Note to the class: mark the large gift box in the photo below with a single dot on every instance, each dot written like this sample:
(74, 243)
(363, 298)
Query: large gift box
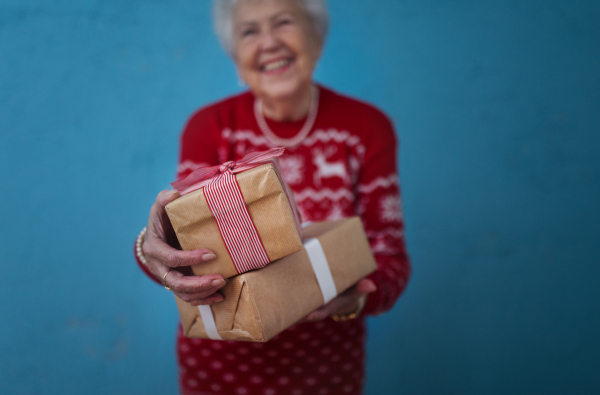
(243, 211)
(260, 304)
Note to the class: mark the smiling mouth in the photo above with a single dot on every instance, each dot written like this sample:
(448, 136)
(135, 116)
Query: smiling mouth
(276, 66)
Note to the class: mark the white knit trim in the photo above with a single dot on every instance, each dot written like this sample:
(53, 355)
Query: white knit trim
(325, 193)
(388, 232)
(380, 246)
(379, 182)
(246, 135)
(340, 137)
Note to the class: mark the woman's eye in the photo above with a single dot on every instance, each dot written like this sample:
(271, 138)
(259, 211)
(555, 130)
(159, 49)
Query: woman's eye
(248, 32)
(284, 22)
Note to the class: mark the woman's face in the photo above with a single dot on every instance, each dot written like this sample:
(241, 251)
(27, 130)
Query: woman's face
(275, 47)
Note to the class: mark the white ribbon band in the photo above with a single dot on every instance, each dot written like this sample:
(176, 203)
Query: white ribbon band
(321, 269)
(322, 273)
(208, 319)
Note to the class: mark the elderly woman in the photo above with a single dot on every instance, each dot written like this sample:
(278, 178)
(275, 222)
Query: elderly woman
(342, 164)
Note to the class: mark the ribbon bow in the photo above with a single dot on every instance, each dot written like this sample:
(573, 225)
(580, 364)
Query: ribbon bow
(203, 175)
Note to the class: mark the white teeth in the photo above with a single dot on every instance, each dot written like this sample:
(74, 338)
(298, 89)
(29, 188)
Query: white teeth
(275, 65)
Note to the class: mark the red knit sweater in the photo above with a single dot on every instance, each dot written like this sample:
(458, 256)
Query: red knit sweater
(346, 166)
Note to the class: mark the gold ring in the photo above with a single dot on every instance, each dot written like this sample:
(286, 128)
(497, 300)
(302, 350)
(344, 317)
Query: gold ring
(164, 280)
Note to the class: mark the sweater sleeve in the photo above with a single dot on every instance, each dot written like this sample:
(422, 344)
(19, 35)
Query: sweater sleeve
(199, 145)
(380, 207)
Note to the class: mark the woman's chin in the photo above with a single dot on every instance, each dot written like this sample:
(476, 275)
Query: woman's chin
(282, 90)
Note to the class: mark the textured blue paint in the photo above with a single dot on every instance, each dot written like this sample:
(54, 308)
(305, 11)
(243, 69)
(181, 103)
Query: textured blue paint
(497, 104)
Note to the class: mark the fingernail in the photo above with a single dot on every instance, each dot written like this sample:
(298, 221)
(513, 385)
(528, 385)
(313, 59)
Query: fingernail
(311, 316)
(208, 257)
(220, 300)
(217, 283)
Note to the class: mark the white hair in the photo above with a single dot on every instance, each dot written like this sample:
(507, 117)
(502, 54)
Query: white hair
(316, 10)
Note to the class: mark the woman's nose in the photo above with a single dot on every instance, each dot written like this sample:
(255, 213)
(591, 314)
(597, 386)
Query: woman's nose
(269, 41)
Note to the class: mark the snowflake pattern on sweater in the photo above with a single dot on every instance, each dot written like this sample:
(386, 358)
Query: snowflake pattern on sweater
(346, 166)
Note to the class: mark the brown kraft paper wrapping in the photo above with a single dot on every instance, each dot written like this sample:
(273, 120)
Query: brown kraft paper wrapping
(262, 303)
(269, 208)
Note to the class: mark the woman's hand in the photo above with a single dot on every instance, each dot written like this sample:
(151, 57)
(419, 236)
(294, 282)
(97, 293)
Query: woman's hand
(162, 257)
(344, 303)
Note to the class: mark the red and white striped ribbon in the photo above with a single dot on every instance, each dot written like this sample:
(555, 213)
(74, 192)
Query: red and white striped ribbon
(226, 203)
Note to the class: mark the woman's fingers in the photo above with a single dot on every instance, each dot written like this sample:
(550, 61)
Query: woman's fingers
(159, 250)
(214, 298)
(166, 196)
(157, 246)
(167, 262)
(344, 303)
(195, 290)
(365, 286)
(199, 287)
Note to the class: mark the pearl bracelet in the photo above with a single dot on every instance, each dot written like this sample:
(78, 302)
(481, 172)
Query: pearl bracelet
(138, 246)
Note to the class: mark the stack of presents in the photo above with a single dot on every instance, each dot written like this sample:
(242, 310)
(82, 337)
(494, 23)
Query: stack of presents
(278, 271)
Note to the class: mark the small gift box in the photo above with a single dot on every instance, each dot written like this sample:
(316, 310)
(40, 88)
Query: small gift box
(243, 211)
(260, 304)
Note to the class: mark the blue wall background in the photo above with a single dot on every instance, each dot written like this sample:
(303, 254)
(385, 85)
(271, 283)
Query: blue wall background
(497, 105)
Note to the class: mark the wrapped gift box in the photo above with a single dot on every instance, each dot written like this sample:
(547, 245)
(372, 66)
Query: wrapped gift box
(262, 303)
(271, 210)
